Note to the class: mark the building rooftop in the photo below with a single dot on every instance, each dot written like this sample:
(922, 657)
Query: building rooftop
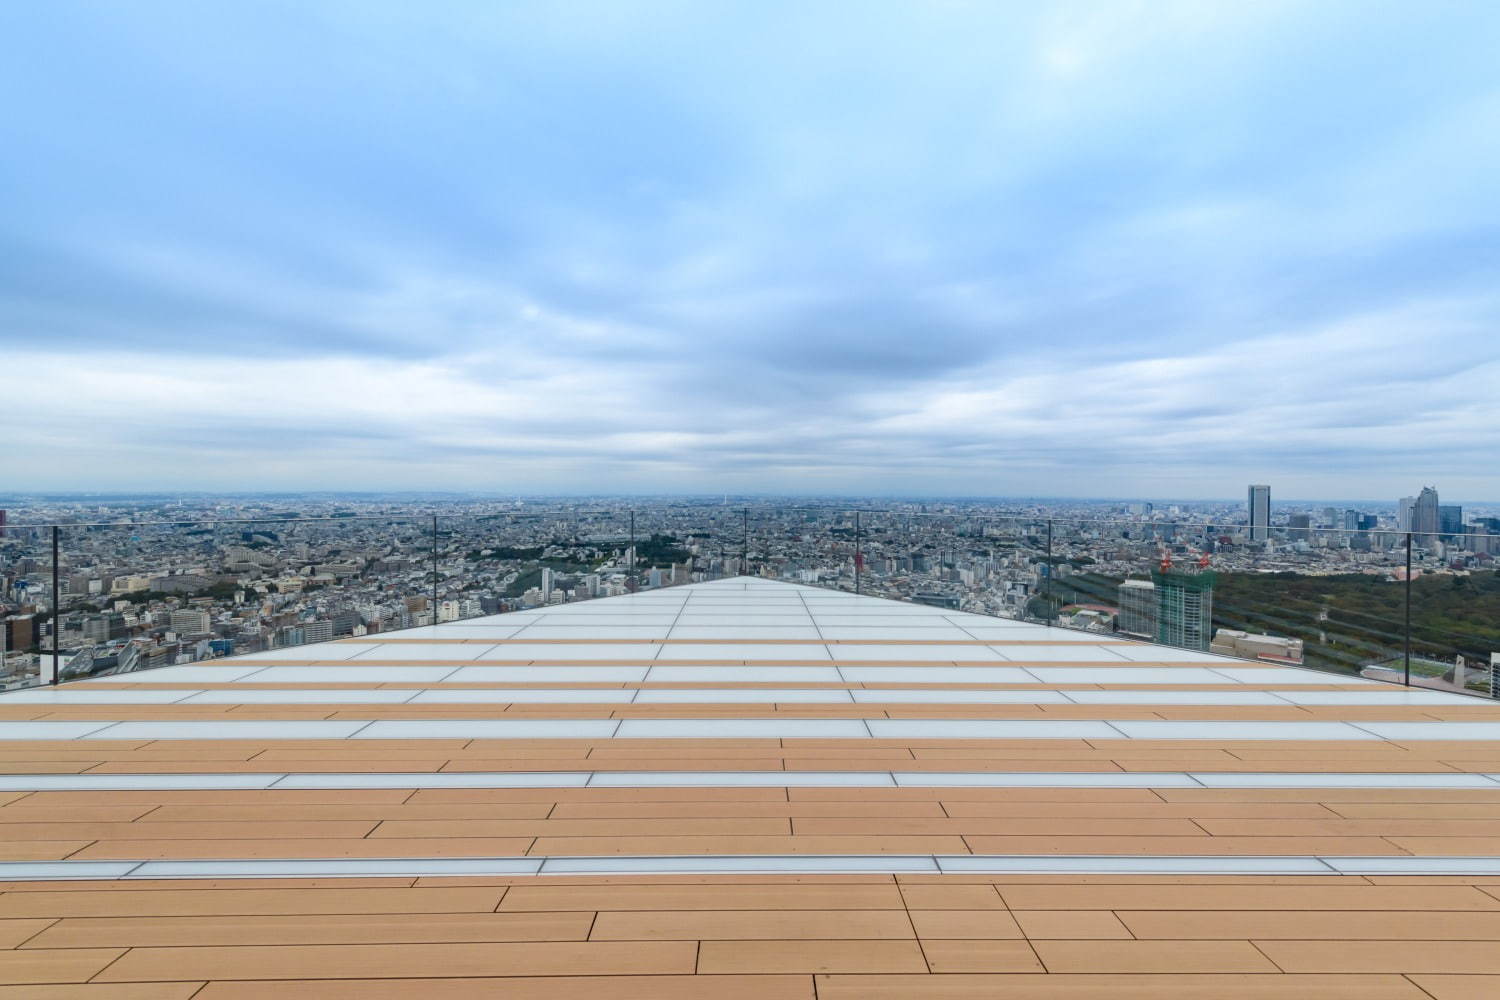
(747, 789)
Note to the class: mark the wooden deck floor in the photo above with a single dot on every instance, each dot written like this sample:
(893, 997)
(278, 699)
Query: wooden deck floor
(1184, 757)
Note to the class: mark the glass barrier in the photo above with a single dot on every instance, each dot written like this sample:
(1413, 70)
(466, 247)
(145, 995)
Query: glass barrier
(137, 596)
(1455, 614)
(1326, 599)
(799, 545)
(530, 556)
(132, 596)
(27, 608)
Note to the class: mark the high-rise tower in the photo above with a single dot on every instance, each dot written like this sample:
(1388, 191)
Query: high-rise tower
(1259, 502)
(1425, 519)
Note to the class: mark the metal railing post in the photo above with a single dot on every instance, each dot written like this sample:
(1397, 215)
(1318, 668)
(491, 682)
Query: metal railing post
(1047, 578)
(434, 569)
(745, 544)
(630, 577)
(56, 604)
(859, 552)
(1407, 657)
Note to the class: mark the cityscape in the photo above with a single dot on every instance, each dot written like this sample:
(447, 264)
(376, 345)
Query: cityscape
(149, 582)
(753, 500)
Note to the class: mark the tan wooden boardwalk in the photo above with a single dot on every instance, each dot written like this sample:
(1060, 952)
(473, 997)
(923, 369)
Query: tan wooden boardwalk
(746, 789)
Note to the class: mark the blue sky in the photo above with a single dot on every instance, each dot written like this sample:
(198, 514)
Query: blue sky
(1124, 249)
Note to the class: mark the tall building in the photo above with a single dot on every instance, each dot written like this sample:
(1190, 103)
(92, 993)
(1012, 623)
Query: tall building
(546, 585)
(1259, 502)
(1424, 512)
(1184, 608)
(1451, 519)
(1404, 508)
(1137, 601)
(1300, 526)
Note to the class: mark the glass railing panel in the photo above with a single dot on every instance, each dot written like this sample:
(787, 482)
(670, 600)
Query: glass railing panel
(1455, 613)
(1100, 576)
(146, 595)
(1013, 564)
(812, 546)
(27, 619)
(530, 556)
(1326, 599)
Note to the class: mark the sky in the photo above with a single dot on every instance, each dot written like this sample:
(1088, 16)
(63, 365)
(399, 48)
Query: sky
(1154, 249)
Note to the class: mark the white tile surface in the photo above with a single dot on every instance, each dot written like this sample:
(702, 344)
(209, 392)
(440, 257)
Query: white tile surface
(420, 652)
(456, 631)
(553, 675)
(1170, 654)
(983, 729)
(64, 870)
(937, 675)
(1141, 729)
(707, 696)
(744, 632)
(845, 619)
(850, 653)
(119, 782)
(699, 652)
(740, 675)
(586, 632)
(488, 729)
(1008, 633)
(719, 620)
(44, 730)
(896, 632)
(343, 675)
(1064, 653)
(1287, 675)
(526, 652)
(1124, 674)
(181, 675)
(1397, 696)
(741, 729)
(311, 651)
(634, 620)
(70, 695)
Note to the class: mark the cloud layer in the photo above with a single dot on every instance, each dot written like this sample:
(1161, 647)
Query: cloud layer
(1101, 248)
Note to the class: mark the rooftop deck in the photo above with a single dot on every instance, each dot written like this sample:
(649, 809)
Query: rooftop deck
(747, 789)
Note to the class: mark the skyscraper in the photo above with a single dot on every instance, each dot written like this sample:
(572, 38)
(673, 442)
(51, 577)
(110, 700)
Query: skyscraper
(1451, 519)
(1259, 502)
(1184, 608)
(1137, 608)
(1424, 512)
